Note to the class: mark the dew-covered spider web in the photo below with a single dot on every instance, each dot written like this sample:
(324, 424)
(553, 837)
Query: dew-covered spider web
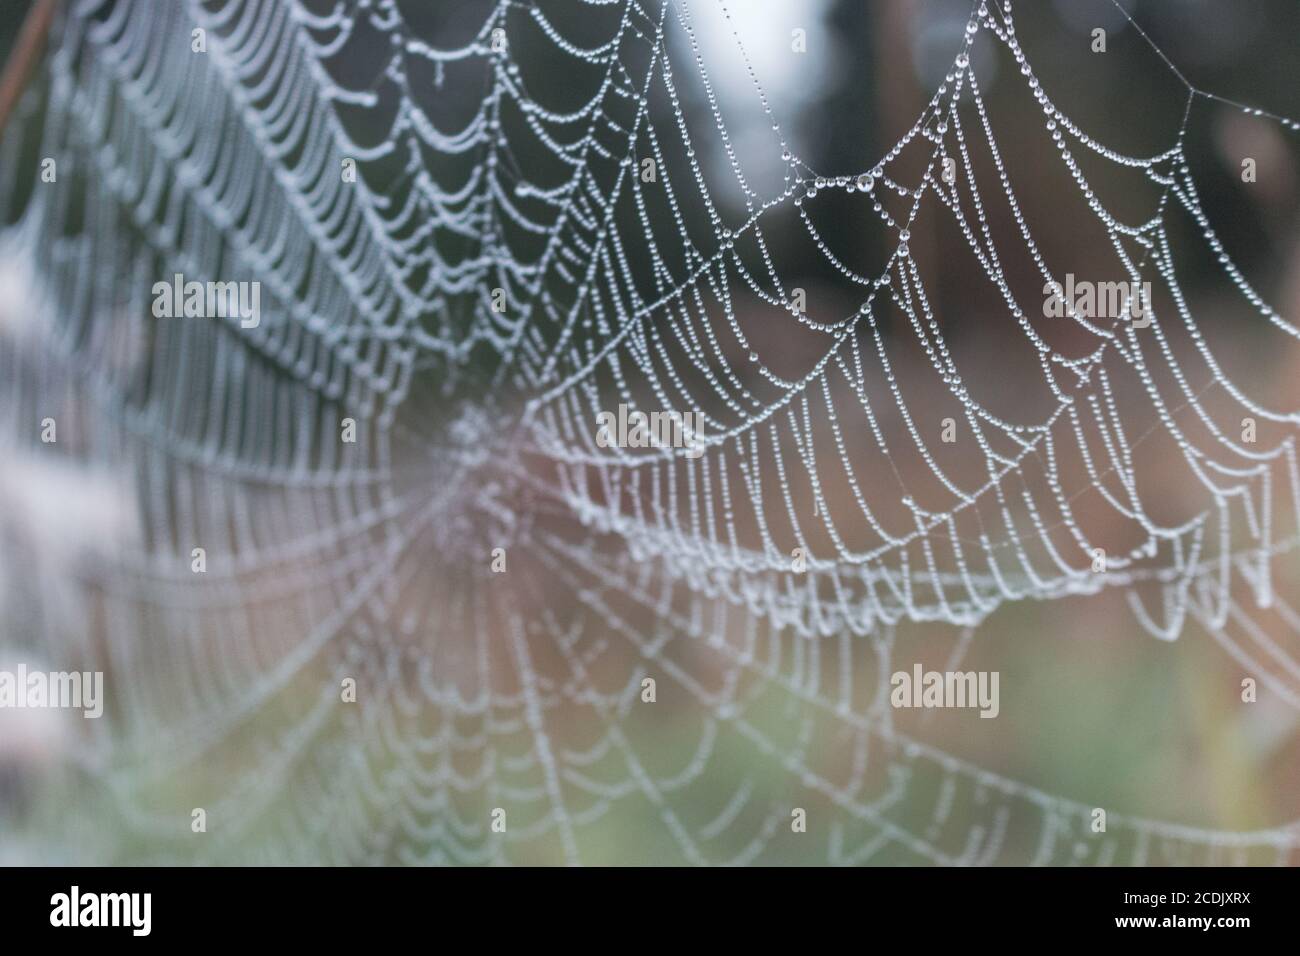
(551, 217)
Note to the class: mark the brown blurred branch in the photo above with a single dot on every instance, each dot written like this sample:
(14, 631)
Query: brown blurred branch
(31, 41)
(900, 101)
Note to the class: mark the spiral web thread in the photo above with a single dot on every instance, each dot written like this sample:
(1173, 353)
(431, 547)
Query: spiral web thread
(380, 301)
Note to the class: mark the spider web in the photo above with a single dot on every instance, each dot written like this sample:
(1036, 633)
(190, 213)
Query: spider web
(499, 272)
